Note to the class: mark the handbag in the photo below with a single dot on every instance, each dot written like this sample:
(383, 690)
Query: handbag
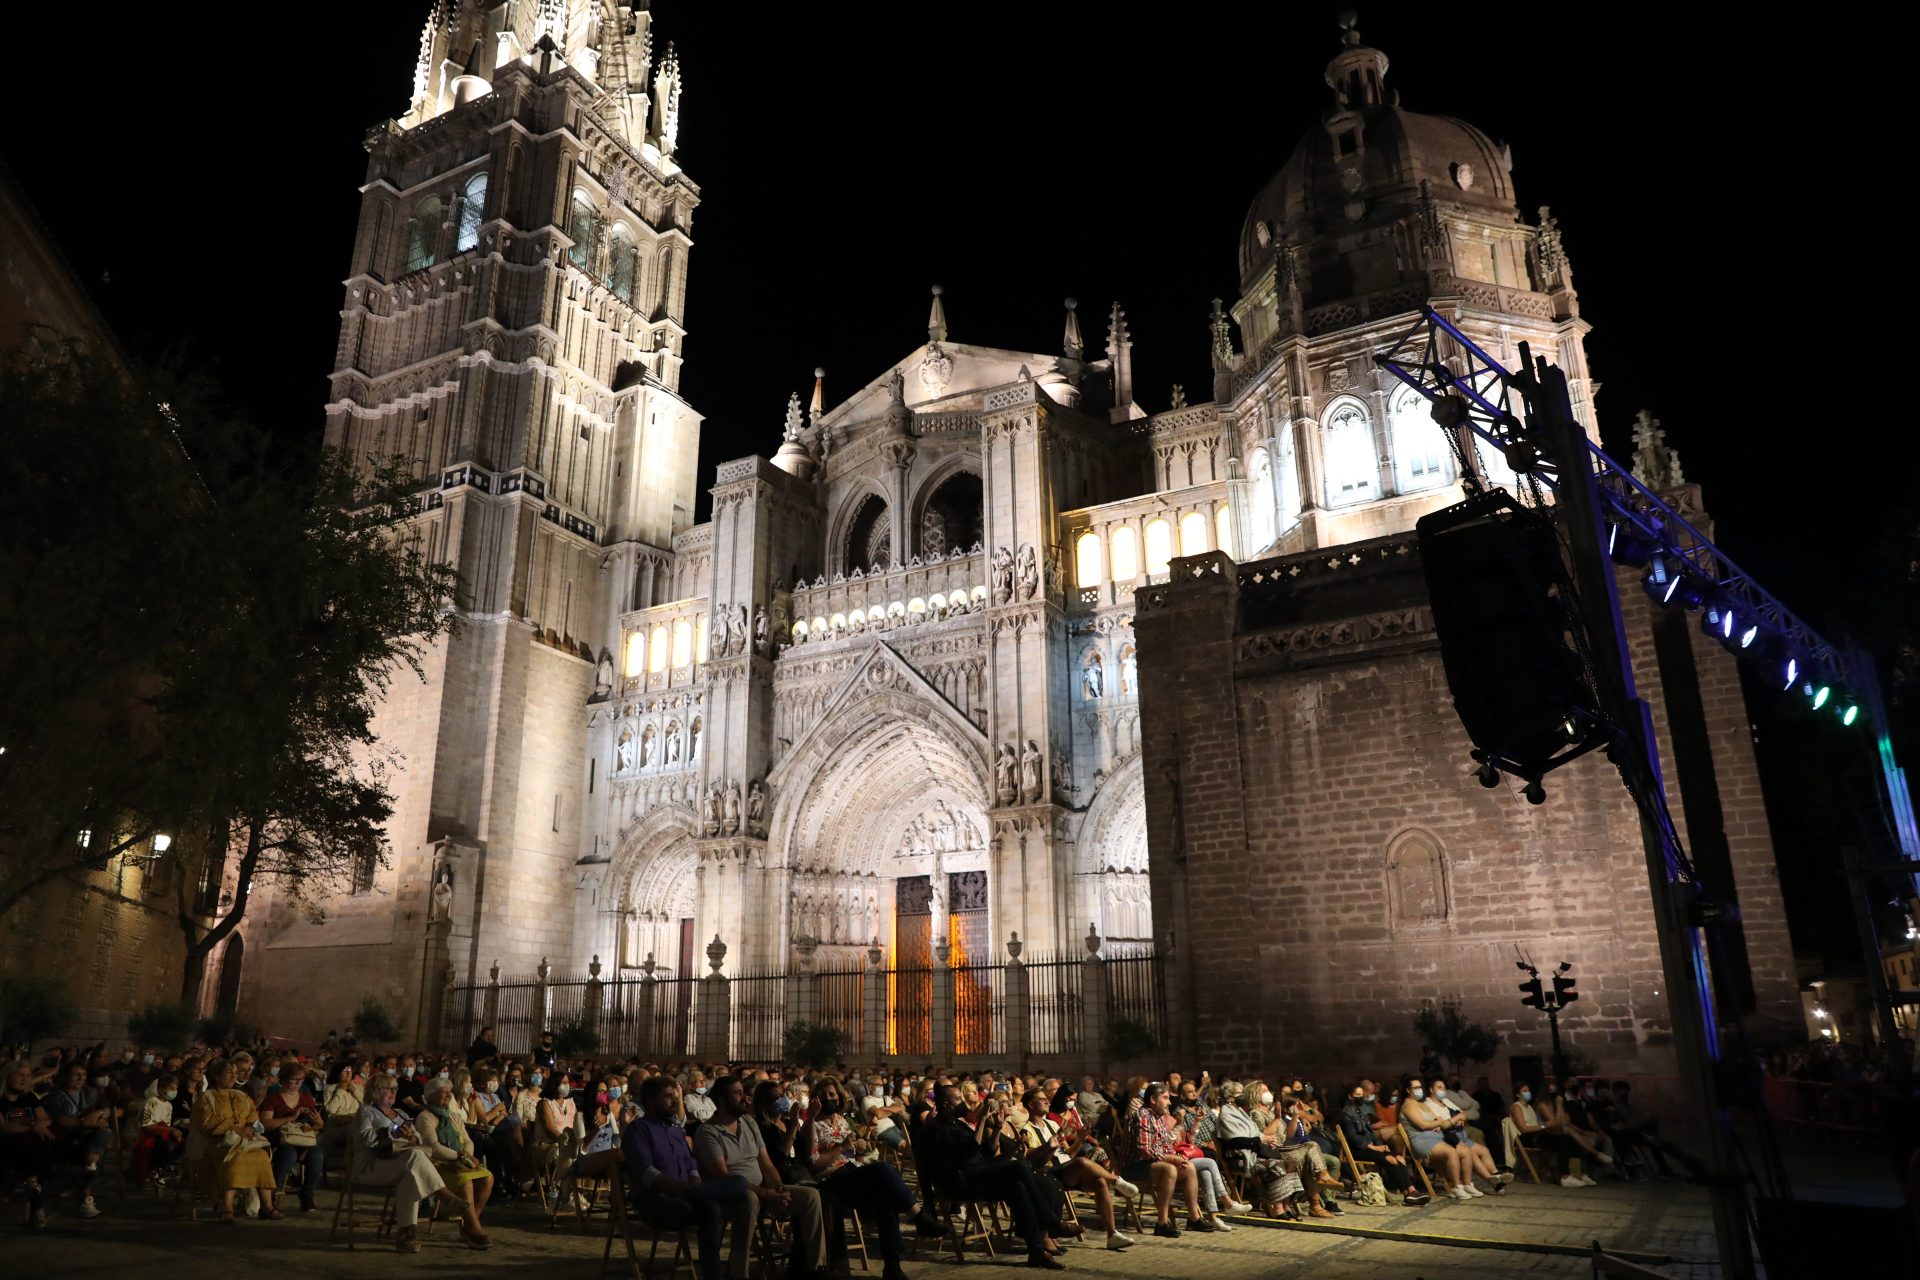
(1188, 1150)
(296, 1134)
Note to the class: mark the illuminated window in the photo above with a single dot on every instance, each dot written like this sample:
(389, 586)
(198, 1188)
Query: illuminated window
(636, 652)
(423, 234)
(682, 643)
(583, 224)
(1223, 524)
(1261, 498)
(1086, 559)
(1159, 546)
(1421, 457)
(1193, 533)
(657, 643)
(1126, 554)
(1286, 481)
(623, 260)
(473, 211)
(1346, 446)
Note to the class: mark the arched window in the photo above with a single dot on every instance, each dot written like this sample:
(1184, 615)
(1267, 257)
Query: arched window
(1159, 546)
(622, 261)
(1193, 533)
(636, 652)
(950, 515)
(1262, 499)
(1126, 554)
(1086, 559)
(869, 544)
(657, 644)
(700, 640)
(1223, 528)
(1346, 446)
(423, 234)
(473, 211)
(583, 224)
(1421, 457)
(682, 643)
(1286, 481)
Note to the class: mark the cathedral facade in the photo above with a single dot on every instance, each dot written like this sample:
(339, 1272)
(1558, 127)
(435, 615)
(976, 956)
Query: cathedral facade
(889, 693)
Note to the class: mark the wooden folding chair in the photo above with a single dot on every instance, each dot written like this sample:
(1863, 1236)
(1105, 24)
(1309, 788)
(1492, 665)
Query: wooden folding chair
(345, 1212)
(939, 1201)
(620, 1226)
(1511, 1136)
(772, 1244)
(1413, 1158)
(1350, 1161)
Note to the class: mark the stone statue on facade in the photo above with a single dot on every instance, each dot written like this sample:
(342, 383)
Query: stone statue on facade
(1002, 576)
(441, 907)
(1005, 766)
(756, 808)
(1029, 573)
(646, 749)
(710, 811)
(673, 747)
(945, 838)
(722, 625)
(1094, 678)
(623, 754)
(603, 676)
(730, 813)
(762, 636)
(1129, 673)
(742, 629)
(1030, 773)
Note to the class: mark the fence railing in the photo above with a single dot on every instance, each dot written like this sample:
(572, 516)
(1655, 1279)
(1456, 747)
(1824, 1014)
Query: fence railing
(1059, 1008)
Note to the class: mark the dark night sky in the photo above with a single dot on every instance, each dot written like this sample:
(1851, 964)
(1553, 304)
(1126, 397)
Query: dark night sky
(200, 170)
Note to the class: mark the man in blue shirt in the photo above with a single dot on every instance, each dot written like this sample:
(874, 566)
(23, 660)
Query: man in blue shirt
(668, 1188)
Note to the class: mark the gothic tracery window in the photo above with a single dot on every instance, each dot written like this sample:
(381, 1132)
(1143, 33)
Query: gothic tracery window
(869, 543)
(423, 234)
(622, 261)
(473, 211)
(1347, 449)
(583, 225)
(1126, 554)
(1421, 456)
(1159, 546)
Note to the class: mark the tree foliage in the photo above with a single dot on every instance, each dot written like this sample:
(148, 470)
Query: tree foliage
(166, 1025)
(575, 1038)
(200, 646)
(372, 1024)
(1449, 1034)
(32, 1007)
(1129, 1040)
(812, 1044)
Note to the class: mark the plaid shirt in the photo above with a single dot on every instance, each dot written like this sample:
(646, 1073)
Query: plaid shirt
(1158, 1135)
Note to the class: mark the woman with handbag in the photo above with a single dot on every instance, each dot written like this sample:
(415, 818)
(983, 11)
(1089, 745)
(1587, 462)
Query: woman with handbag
(292, 1119)
(235, 1155)
(388, 1152)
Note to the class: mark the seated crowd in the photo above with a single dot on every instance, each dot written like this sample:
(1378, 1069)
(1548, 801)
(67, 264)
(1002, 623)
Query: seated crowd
(701, 1148)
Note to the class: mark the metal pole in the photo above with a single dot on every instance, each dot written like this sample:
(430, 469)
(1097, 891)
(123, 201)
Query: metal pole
(1559, 1054)
(1689, 995)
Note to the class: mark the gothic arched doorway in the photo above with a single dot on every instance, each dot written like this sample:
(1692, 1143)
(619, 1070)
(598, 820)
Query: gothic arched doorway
(1111, 879)
(231, 957)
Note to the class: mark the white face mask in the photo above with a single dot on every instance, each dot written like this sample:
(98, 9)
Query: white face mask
(1266, 1098)
(564, 1090)
(1419, 1094)
(493, 1086)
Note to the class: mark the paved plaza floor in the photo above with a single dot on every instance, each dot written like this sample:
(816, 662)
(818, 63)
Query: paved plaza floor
(1544, 1230)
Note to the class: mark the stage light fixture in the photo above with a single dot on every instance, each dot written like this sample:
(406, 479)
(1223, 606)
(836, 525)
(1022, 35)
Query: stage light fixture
(1628, 546)
(1748, 636)
(1793, 673)
(1849, 712)
(1820, 695)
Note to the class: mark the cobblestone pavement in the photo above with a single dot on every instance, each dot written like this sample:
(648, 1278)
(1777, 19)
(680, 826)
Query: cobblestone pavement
(141, 1236)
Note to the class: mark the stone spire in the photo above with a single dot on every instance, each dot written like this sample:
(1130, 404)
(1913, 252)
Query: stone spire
(1120, 354)
(666, 102)
(818, 406)
(937, 318)
(792, 456)
(1654, 462)
(1072, 345)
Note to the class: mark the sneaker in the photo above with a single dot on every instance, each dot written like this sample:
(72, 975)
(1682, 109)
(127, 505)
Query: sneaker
(1235, 1206)
(1603, 1157)
(1472, 1190)
(1461, 1193)
(1117, 1242)
(88, 1209)
(1200, 1224)
(1502, 1179)
(1585, 1181)
(1414, 1199)
(1219, 1225)
(1125, 1190)
(1166, 1230)
(1568, 1180)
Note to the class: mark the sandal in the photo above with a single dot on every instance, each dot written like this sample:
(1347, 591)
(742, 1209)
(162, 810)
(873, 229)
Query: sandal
(225, 1219)
(272, 1215)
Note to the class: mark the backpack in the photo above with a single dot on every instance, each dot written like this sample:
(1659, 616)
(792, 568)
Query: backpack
(1371, 1191)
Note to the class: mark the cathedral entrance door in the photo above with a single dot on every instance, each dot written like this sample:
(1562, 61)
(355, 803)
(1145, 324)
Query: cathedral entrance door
(910, 980)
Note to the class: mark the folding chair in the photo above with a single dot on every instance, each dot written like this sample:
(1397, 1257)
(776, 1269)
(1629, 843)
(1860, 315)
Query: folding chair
(772, 1244)
(1413, 1158)
(1510, 1135)
(346, 1217)
(1349, 1161)
(620, 1225)
(938, 1199)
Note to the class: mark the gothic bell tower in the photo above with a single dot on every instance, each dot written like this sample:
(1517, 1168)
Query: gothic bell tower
(512, 326)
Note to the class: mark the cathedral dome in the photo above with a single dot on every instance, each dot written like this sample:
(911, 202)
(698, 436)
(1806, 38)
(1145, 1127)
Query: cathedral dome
(1368, 162)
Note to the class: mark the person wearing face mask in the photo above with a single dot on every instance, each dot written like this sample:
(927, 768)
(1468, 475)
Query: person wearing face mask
(83, 1124)
(1356, 1126)
(1554, 1149)
(388, 1152)
(155, 1140)
(557, 1117)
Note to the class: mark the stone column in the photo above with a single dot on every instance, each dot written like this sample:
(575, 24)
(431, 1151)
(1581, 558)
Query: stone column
(1016, 1002)
(715, 1010)
(592, 998)
(649, 1010)
(1093, 1004)
(803, 984)
(490, 1009)
(541, 996)
(941, 1043)
(875, 1022)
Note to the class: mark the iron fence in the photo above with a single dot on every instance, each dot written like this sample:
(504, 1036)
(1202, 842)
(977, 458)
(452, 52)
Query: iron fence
(759, 1016)
(910, 1012)
(843, 1005)
(1135, 991)
(1056, 1020)
(649, 1019)
(979, 1021)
